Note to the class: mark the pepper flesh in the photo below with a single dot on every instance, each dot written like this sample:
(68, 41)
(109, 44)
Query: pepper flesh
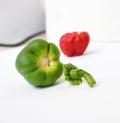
(74, 75)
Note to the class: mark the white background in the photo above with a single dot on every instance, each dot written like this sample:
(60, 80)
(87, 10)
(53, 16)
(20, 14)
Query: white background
(100, 18)
(22, 103)
(64, 103)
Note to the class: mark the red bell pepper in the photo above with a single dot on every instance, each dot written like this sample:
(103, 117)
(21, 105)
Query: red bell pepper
(74, 44)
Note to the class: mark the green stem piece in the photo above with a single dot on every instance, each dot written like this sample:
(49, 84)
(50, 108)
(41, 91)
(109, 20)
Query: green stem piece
(74, 75)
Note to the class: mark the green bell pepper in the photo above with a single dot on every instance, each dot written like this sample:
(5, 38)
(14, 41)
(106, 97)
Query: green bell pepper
(39, 63)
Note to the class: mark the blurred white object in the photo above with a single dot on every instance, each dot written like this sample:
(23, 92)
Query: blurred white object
(100, 18)
(20, 19)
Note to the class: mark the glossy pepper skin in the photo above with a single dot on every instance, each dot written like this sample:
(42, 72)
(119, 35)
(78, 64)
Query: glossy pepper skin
(74, 44)
(39, 63)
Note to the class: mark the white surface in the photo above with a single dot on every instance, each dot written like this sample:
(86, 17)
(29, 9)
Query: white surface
(64, 103)
(100, 18)
(20, 19)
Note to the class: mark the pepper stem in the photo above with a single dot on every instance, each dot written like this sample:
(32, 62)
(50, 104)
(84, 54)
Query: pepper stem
(74, 75)
(88, 77)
